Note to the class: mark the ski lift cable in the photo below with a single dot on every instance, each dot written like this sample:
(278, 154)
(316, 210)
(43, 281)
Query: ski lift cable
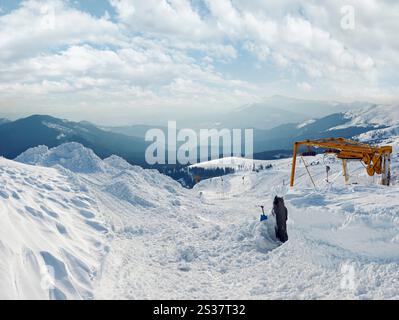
(307, 169)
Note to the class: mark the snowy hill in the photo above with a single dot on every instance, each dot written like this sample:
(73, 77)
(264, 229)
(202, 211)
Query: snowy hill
(52, 235)
(386, 117)
(119, 231)
(370, 123)
(57, 223)
(22, 134)
(230, 162)
(71, 156)
(383, 115)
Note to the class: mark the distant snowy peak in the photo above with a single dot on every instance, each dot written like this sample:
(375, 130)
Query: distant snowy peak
(58, 127)
(72, 156)
(306, 123)
(375, 116)
(384, 119)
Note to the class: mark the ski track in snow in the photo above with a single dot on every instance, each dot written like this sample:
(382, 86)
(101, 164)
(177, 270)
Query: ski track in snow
(109, 230)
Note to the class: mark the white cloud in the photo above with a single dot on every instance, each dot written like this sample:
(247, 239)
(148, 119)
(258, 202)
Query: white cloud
(132, 78)
(304, 86)
(167, 54)
(39, 26)
(176, 18)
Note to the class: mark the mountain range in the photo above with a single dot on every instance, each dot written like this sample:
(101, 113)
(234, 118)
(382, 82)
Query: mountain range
(266, 113)
(271, 112)
(22, 134)
(129, 143)
(278, 110)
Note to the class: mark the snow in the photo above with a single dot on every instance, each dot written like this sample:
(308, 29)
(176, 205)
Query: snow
(73, 156)
(305, 123)
(236, 163)
(48, 244)
(103, 229)
(117, 162)
(373, 116)
(63, 130)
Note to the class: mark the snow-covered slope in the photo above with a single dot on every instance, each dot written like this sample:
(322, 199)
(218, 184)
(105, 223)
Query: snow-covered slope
(123, 232)
(334, 231)
(383, 115)
(236, 163)
(52, 236)
(57, 223)
(384, 119)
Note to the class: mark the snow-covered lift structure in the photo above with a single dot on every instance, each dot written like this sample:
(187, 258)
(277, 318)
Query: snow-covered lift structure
(376, 159)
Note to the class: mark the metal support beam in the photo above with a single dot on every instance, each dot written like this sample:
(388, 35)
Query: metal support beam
(384, 172)
(389, 170)
(375, 158)
(293, 169)
(345, 170)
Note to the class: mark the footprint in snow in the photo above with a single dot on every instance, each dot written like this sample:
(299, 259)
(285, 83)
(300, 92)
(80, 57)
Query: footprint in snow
(57, 295)
(58, 202)
(87, 214)
(80, 204)
(58, 271)
(46, 186)
(97, 226)
(56, 266)
(29, 181)
(61, 229)
(35, 213)
(49, 212)
(4, 194)
(65, 189)
(15, 195)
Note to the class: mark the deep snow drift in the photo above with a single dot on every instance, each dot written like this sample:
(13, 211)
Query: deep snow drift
(52, 237)
(78, 227)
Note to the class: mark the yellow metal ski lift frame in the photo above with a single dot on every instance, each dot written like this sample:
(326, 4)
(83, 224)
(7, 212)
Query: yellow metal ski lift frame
(377, 159)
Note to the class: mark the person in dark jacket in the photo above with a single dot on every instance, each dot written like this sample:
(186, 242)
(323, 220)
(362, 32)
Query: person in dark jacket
(281, 213)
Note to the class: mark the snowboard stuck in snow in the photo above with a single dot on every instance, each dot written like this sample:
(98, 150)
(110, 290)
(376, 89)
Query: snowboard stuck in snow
(281, 213)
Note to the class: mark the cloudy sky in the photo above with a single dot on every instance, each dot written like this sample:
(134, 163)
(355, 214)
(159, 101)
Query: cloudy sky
(123, 61)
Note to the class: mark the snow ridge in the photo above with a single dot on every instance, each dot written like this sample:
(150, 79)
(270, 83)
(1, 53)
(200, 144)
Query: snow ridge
(374, 116)
(72, 156)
